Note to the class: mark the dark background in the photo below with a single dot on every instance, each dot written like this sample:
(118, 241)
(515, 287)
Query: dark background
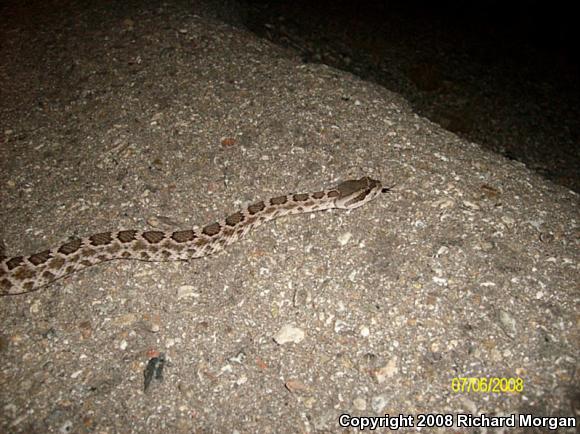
(501, 74)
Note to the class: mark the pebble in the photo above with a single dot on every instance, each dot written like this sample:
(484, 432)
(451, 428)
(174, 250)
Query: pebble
(302, 297)
(471, 205)
(378, 403)
(360, 404)
(509, 221)
(546, 237)
(340, 325)
(289, 333)
(154, 327)
(444, 203)
(66, 427)
(352, 275)
(508, 323)
(486, 246)
(35, 307)
(344, 238)
(387, 371)
(185, 291)
(295, 386)
(125, 320)
(440, 281)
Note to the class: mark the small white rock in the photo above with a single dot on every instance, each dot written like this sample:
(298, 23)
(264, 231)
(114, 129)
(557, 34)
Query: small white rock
(508, 220)
(378, 403)
(360, 404)
(289, 333)
(340, 325)
(508, 323)
(387, 371)
(185, 291)
(35, 307)
(344, 238)
(419, 224)
(440, 281)
(365, 332)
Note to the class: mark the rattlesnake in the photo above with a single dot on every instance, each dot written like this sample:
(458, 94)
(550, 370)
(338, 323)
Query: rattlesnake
(22, 274)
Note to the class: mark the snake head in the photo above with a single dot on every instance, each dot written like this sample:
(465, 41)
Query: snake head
(357, 192)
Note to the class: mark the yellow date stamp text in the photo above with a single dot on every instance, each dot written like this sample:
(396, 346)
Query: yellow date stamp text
(487, 385)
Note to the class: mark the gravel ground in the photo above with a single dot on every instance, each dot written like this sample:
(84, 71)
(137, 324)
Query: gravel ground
(152, 116)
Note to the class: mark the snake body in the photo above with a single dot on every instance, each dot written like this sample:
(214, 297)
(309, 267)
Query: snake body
(21, 274)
